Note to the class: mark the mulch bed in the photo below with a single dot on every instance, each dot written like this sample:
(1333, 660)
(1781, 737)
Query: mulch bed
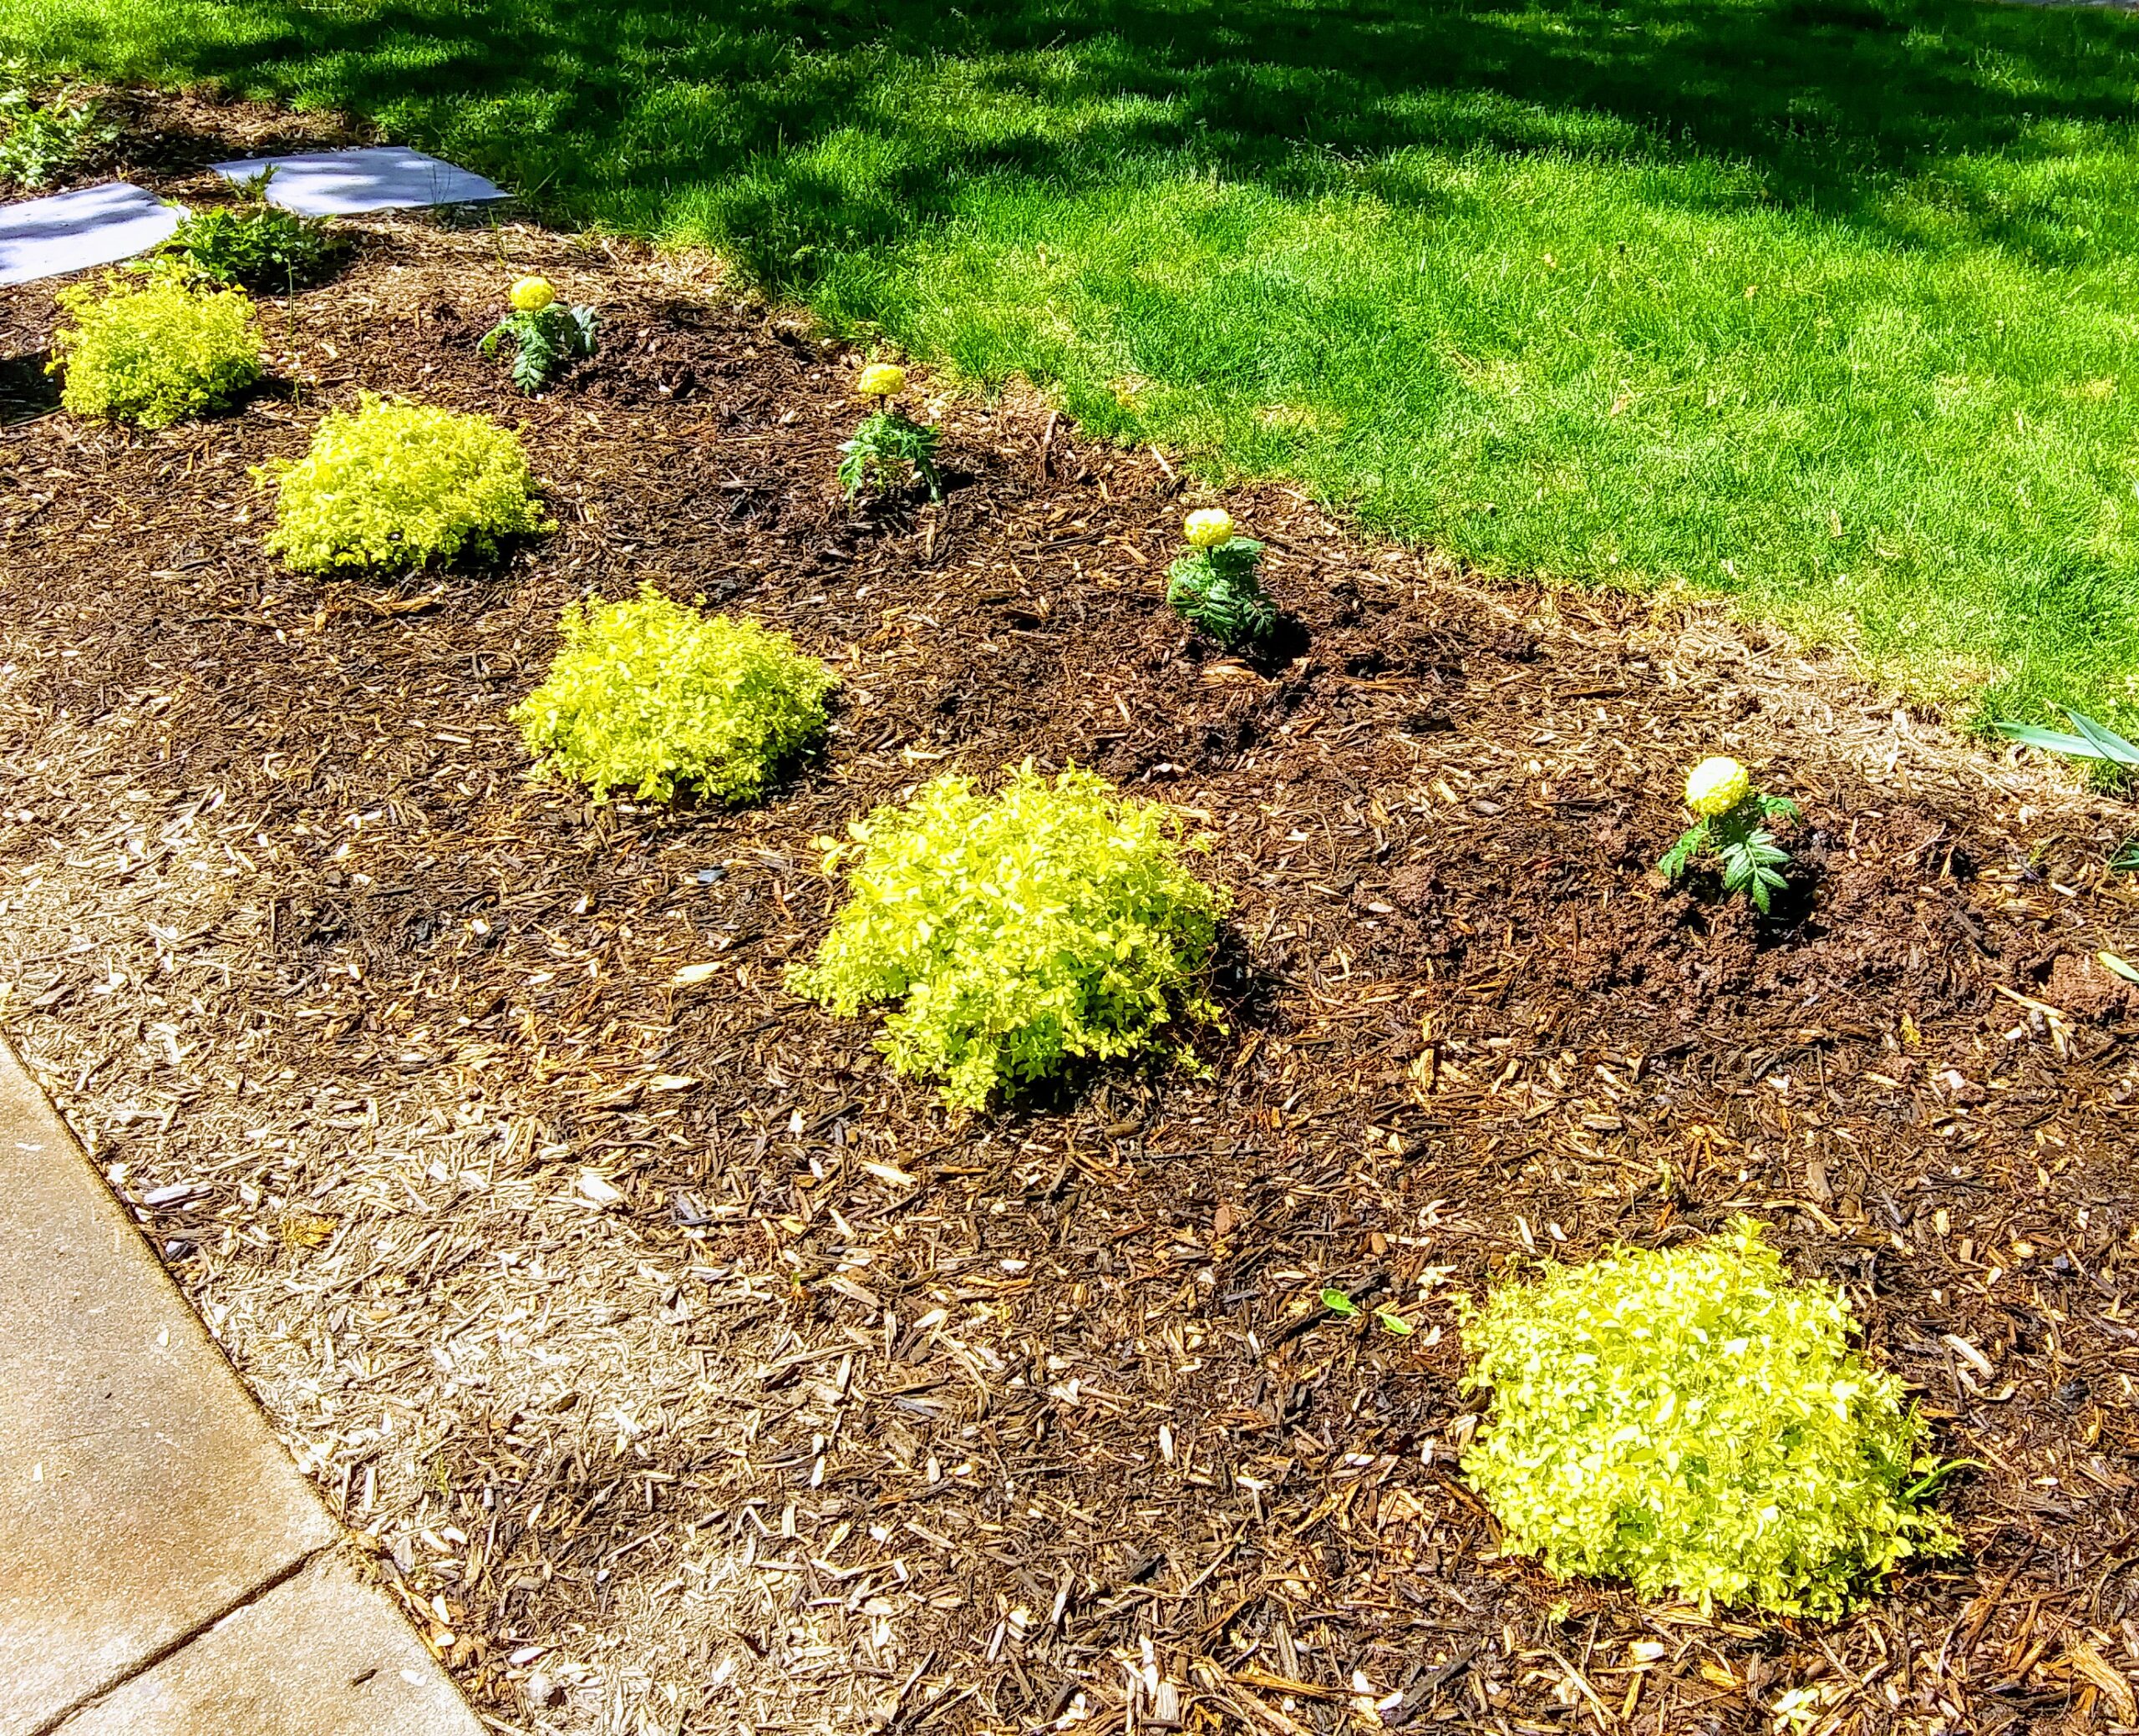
(689, 1372)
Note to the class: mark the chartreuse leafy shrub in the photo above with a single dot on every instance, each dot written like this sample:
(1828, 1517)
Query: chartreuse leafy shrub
(1692, 1420)
(152, 349)
(654, 698)
(394, 485)
(1055, 919)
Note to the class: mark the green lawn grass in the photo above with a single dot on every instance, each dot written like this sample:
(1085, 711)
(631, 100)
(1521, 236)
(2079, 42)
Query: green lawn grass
(1829, 305)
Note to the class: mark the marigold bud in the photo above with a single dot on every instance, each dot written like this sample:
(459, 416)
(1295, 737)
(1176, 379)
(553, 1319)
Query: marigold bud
(882, 379)
(1208, 528)
(531, 295)
(1716, 786)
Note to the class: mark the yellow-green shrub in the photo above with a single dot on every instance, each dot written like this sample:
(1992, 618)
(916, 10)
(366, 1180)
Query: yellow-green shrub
(1692, 1420)
(395, 484)
(153, 349)
(651, 696)
(1053, 920)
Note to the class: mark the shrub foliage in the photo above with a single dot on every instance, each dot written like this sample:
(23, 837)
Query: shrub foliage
(1692, 1419)
(1053, 920)
(654, 697)
(155, 348)
(40, 142)
(398, 485)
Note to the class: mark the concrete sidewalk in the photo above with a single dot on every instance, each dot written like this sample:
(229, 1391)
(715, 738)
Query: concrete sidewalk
(164, 1570)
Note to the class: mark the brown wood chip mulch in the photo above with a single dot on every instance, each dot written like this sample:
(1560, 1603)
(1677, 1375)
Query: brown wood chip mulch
(689, 1373)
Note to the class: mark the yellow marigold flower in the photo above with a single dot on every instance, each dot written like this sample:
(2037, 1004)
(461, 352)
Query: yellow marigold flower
(882, 379)
(531, 295)
(1716, 786)
(1208, 528)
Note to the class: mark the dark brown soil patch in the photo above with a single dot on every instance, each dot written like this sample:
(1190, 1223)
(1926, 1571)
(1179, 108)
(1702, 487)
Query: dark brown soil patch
(675, 1355)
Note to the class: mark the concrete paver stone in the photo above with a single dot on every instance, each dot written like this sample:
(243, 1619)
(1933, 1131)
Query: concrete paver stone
(144, 1499)
(141, 1493)
(73, 231)
(322, 1654)
(376, 178)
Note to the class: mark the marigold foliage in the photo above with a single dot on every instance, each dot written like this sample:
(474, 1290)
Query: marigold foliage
(398, 485)
(890, 443)
(1218, 591)
(1054, 920)
(654, 697)
(153, 348)
(1693, 1420)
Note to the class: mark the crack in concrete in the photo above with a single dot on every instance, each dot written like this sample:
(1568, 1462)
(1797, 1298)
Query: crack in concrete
(282, 1576)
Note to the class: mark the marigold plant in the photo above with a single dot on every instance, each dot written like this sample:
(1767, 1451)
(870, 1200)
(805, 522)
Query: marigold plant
(393, 484)
(1216, 587)
(1730, 826)
(654, 697)
(1693, 1420)
(1056, 919)
(545, 332)
(153, 348)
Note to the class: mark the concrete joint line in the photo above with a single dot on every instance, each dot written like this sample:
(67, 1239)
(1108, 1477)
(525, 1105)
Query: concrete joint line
(89, 1701)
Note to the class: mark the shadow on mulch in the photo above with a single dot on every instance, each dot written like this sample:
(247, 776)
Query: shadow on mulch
(27, 390)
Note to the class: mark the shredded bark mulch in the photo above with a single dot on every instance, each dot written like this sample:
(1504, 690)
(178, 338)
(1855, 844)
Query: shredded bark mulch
(689, 1373)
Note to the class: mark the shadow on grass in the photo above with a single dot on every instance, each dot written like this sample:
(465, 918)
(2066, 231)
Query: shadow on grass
(604, 112)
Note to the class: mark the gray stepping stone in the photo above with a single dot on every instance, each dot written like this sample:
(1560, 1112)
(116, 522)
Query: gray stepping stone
(377, 178)
(73, 231)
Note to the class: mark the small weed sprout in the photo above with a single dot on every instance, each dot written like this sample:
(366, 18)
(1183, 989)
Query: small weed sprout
(654, 697)
(1216, 587)
(889, 443)
(40, 142)
(1693, 1420)
(1730, 825)
(254, 245)
(545, 334)
(398, 485)
(1053, 920)
(152, 350)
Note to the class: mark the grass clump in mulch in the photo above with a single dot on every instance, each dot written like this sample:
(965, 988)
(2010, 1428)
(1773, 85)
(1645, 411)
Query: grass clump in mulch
(657, 698)
(154, 350)
(398, 485)
(1692, 1419)
(1054, 920)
